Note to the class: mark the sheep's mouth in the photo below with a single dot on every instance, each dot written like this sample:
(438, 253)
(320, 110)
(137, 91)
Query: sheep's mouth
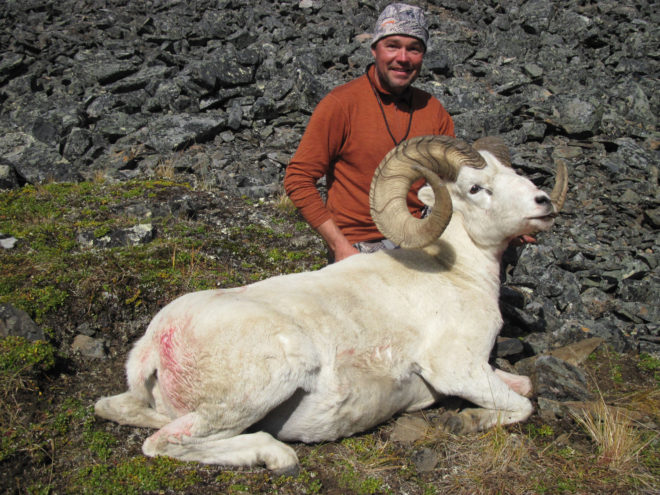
(549, 216)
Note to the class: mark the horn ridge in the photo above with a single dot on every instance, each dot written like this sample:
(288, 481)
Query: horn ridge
(435, 158)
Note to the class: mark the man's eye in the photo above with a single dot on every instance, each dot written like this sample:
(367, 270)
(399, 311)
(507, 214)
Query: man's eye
(475, 189)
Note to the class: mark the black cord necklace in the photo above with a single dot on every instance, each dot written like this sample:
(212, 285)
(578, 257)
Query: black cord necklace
(382, 110)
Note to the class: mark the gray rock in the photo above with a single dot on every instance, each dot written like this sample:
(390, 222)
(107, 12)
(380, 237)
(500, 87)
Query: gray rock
(33, 161)
(653, 217)
(7, 242)
(575, 354)
(575, 116)
(15, 321)
(409, 429)
(89, 347)
(508, 347)
(554, 378)
(8, 177)
(425, 459)
(172, 132)
(139, 234)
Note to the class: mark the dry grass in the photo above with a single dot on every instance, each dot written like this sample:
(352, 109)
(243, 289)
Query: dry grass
(99, 177)
(165, 170)
(284, 204)
(496, 461)
(618, 440)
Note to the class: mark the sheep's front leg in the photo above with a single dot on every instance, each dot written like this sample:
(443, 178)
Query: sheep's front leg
(499, 403)
(518, 383)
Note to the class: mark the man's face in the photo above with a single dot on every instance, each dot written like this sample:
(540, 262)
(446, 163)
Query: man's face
(398, 61)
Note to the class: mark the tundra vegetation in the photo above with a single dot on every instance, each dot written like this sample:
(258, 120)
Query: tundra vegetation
(51, 442)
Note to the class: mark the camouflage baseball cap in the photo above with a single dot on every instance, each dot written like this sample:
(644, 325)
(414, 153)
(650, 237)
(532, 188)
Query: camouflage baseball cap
(401, 18)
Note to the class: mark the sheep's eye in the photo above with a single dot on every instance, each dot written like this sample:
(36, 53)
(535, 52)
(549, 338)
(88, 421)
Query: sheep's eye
(475, 189)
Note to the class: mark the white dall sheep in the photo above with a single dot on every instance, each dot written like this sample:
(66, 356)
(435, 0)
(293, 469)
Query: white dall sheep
(321, 355)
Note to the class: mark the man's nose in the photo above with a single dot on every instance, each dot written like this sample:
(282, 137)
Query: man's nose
(402, 55)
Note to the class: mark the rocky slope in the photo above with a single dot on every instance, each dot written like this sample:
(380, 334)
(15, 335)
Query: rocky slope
(220, 92)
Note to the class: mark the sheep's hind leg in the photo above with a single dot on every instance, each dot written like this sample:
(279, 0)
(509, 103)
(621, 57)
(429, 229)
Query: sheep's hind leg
(499, 404)
(178, 439)
(129, 409)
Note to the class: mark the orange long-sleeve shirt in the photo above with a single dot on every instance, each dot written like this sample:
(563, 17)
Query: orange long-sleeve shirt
(346, 138)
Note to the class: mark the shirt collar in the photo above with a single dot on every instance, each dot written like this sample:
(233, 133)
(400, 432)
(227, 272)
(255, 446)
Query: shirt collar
(388, 96)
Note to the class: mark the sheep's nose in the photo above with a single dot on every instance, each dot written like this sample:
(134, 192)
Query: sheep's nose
(542, 199)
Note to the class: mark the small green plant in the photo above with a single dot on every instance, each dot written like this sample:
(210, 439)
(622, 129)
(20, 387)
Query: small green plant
(134, 476)
(101, 231)
(617, 376)
(567, 452)
(239, 488)
(99, 442)
(295, 255)
(543, 431)
(350, 479)
(650, 364)
(276, 255)
(309, 480)
(19, 356)
(71, 411)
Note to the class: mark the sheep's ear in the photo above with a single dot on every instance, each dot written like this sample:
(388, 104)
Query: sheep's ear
(426, 195)
(496, 146)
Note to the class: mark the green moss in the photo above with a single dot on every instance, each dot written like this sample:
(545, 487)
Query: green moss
(543, 431)
(352, 480)
(100, 443)
(650, 364)
(71, 411)
(309, 480)
(134, 476)
(102, 231)
(19, 356)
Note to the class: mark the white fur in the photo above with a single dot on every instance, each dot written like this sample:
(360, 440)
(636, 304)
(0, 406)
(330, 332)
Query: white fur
(321, 355)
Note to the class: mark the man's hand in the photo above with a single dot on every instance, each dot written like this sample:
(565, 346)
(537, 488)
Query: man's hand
(523, 239)
(339, 246)
(343, 253)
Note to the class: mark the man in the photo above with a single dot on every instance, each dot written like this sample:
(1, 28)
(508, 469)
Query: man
(353, 128)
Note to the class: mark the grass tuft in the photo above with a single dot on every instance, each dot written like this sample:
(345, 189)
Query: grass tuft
(285, 205)
(619, 442)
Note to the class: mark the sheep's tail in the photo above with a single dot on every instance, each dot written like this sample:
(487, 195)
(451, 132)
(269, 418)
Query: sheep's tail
(138, 405)
(141, 369)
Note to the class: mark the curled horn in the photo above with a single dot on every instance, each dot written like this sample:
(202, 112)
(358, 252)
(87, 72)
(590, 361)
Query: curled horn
(558, 194)
(496, 146)
(499, 149)
(437, 159)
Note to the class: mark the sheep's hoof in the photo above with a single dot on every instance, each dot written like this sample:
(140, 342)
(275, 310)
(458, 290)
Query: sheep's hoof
(452, 422)
(287, 471)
